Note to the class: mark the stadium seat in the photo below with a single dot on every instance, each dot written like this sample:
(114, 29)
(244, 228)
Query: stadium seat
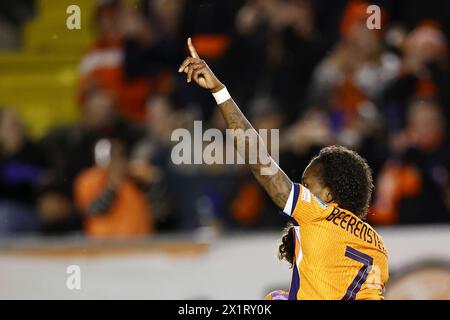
(40, 80)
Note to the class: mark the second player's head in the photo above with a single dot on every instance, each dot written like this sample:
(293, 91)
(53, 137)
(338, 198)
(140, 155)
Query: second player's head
(340, 175)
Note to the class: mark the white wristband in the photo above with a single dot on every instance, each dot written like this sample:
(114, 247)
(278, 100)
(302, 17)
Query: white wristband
(222, 95)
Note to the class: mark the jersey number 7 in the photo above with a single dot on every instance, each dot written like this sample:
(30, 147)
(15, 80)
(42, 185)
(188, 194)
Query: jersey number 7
(361, 277)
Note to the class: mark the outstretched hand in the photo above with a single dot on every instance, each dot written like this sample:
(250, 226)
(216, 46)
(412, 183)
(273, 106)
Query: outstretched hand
(197, 70)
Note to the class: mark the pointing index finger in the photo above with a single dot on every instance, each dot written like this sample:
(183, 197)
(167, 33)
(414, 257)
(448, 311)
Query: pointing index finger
(192, 50)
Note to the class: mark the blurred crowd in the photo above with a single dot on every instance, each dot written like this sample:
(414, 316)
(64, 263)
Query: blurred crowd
(309, 67)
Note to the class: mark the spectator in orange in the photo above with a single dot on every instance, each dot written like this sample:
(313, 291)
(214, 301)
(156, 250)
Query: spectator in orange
(413, 185)
(102, 65)
(353, 75)
(110, 198)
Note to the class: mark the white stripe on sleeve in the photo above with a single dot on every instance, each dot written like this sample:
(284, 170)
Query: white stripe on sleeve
(289, 203)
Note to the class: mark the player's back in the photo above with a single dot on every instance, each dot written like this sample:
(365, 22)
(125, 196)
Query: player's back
(338, 256)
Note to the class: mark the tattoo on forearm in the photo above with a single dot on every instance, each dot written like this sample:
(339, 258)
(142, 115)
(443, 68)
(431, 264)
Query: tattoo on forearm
(278, 185)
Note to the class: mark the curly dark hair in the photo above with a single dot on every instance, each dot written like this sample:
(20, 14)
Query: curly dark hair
(349, 178)
(286, 249)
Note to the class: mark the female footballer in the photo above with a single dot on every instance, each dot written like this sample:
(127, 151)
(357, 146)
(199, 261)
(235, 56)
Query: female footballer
(334, 254)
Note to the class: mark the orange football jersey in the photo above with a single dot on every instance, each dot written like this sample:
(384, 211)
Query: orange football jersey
(337, 255)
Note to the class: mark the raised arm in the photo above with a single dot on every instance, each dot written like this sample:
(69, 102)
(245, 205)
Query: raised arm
(277, 184)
